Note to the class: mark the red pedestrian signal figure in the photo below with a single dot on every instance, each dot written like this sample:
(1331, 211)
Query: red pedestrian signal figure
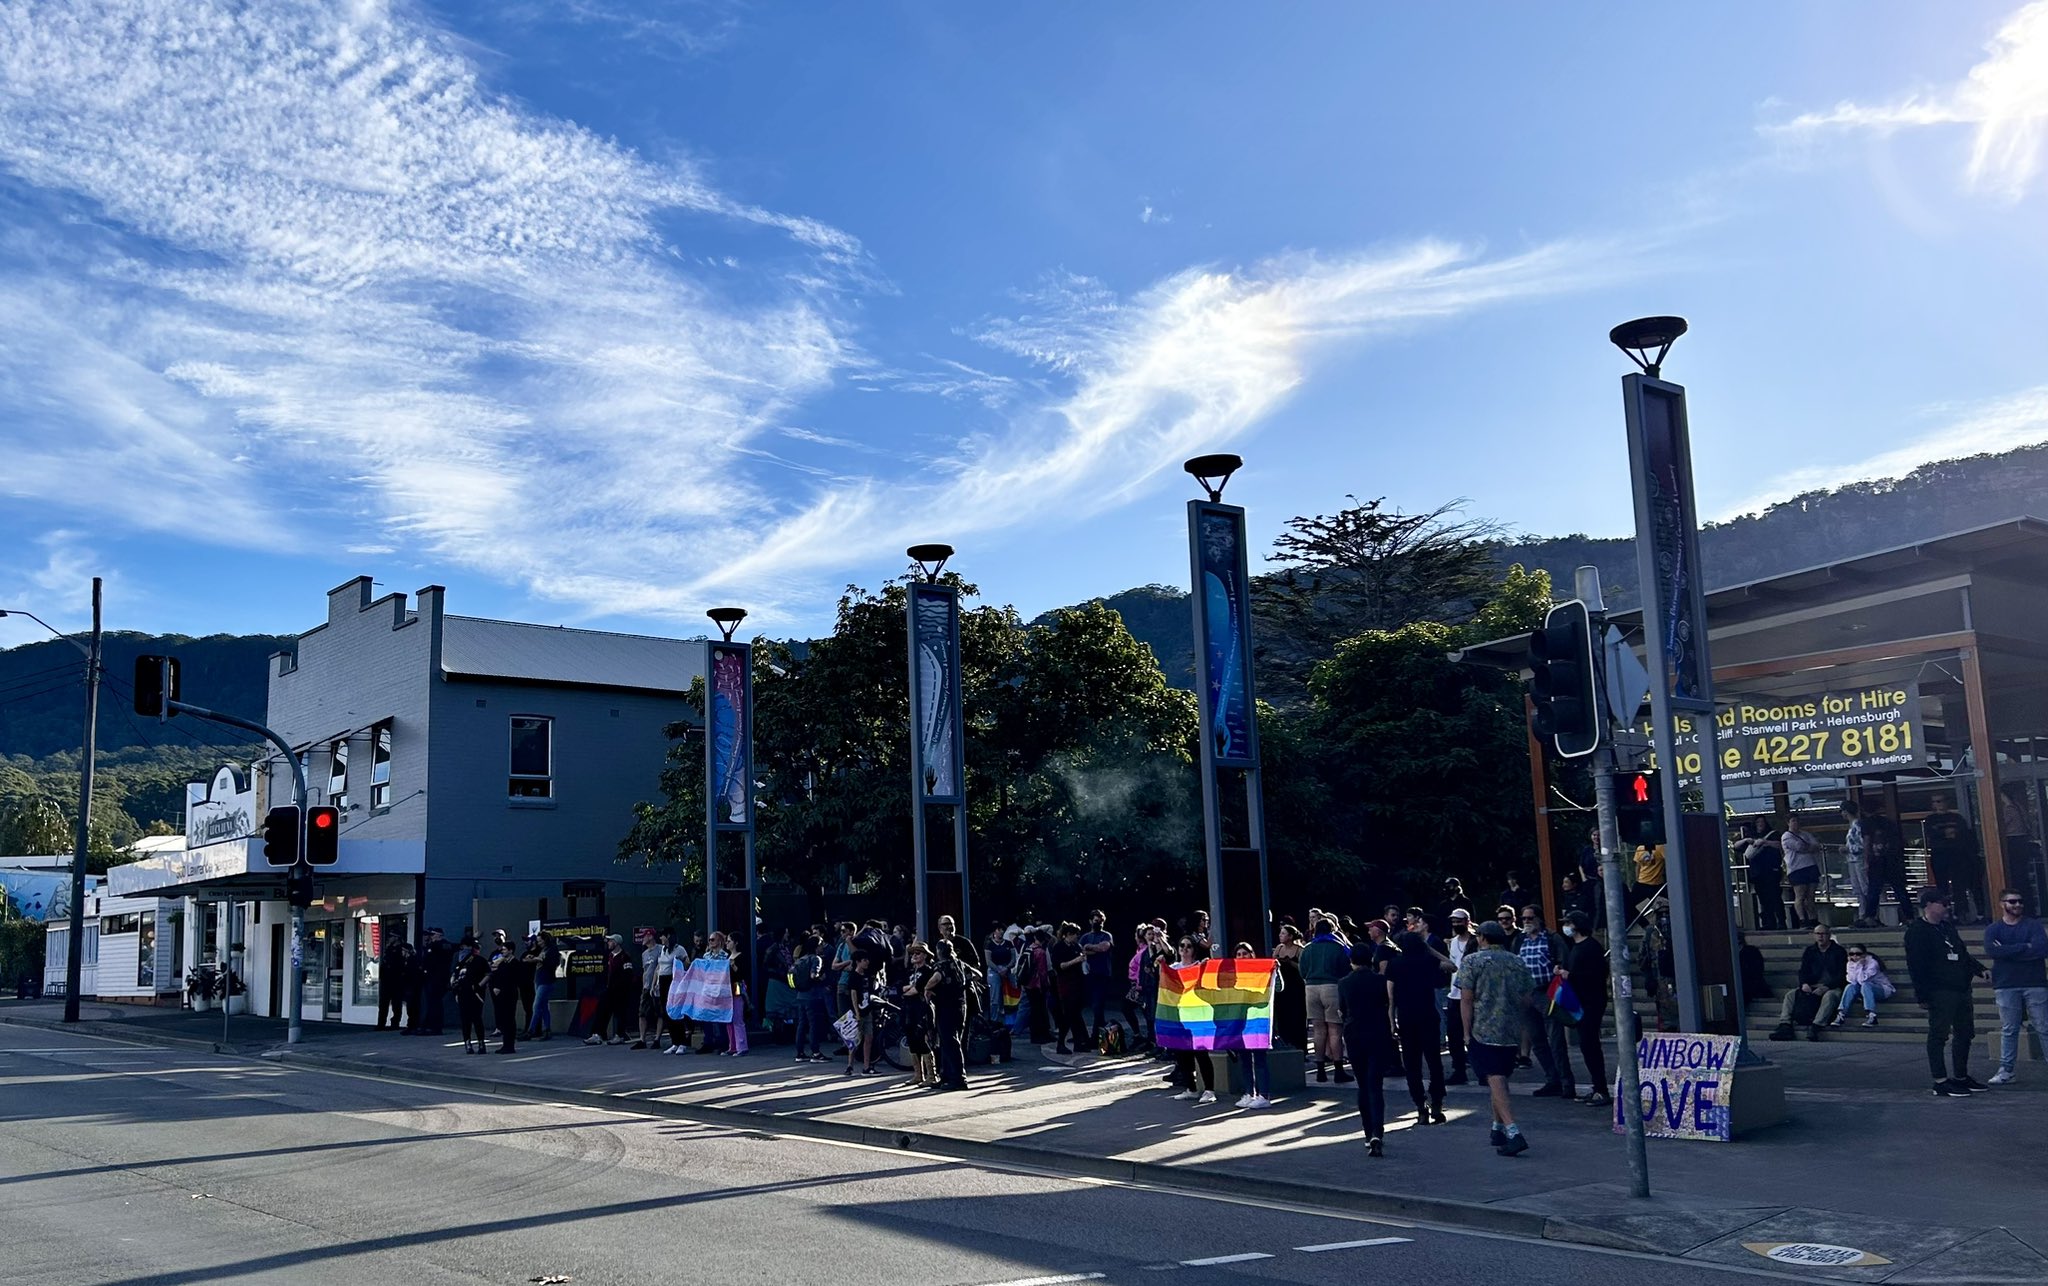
(323, 835)
(1639, 809)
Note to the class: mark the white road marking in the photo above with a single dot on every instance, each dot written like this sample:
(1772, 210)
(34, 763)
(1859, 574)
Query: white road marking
(1051, 1281)
(1354, 1245)
(1224, 1259)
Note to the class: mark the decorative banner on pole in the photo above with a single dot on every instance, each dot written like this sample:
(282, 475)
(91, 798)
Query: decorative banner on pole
(1687, 1081)
(1223, 590)
(731, 718)
(935, 712)
(1216, 1004)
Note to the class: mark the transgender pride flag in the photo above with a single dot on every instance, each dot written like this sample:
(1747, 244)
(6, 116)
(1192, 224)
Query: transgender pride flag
(1216, 1004)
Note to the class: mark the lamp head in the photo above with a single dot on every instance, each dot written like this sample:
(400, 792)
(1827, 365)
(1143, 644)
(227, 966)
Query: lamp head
(930, 559)
(1637, 338)
(727, 619)
(1203, 468)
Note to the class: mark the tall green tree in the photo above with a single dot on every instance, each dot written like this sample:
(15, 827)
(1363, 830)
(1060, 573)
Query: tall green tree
(1364, 568)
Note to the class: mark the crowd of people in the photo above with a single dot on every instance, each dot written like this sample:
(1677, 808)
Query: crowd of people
(1395, 997)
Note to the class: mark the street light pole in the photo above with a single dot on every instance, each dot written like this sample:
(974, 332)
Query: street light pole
(74, 960)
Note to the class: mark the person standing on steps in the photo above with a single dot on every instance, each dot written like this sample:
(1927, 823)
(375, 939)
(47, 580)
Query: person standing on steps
(1495, 987)
(1364, 999)
(1943, 970)
(2018, 946)
(1802, 870)
(1953, 862)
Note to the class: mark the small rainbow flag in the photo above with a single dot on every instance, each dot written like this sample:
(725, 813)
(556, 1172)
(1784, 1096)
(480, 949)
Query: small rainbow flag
(1216, 1004)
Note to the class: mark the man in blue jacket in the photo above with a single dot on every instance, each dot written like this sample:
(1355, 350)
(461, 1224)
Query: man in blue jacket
(2018, 946)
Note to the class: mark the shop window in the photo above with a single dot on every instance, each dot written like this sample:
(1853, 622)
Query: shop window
(124, 923)
(533, 757)
(372, 934)
(337, 773)
(380, 765)
(145, 952)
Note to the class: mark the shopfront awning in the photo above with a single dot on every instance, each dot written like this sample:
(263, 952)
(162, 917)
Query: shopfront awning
(237, 870)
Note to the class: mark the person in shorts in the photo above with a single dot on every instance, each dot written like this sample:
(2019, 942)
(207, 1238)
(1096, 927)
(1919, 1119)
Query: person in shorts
(1325, 963)
(1494, 989)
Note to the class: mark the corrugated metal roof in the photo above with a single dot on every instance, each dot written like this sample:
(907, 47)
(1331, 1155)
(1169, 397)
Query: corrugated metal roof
(552, 654)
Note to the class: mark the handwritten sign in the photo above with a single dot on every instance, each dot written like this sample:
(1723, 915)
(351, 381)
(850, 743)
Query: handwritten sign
(1686, 1083)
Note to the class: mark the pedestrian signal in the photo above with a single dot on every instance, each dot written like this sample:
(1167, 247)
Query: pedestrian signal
(1639, 809)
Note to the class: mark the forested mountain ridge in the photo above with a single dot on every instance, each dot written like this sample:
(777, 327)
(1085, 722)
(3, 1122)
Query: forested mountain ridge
(143, 761)
(1807, 530)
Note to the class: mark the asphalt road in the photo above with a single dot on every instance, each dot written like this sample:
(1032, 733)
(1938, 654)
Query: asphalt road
(131, 1164)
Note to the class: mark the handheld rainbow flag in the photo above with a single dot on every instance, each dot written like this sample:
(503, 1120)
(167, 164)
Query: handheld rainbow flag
(1216, 1004)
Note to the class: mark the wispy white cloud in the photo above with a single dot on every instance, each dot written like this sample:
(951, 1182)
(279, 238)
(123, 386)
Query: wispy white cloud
(305, 240)
(300, 241)
(59, 589)
(2003, 100)
(1193, 363)
(1961, 430)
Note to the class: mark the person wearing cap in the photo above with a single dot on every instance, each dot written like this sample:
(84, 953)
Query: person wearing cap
(2018, 945)
(467, 979)
(1458, 944)
(1494, 988)
(504, 987)
(1943, 970)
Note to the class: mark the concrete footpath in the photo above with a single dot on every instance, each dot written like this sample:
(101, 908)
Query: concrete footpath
(1930, 1190)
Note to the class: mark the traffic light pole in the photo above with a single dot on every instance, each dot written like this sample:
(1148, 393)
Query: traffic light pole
(74, 948)
(1620, 971)
(294, 991)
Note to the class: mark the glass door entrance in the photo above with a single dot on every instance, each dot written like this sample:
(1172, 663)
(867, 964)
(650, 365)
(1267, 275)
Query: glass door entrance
(320, 984)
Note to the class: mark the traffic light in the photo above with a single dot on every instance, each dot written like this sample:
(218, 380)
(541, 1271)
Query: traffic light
(156, 677)
(298, 888)
(1639, 809)
(1564, 684)
(323, 835)
(281, 835)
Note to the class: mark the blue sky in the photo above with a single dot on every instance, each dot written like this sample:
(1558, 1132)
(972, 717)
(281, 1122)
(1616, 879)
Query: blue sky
(603, 312)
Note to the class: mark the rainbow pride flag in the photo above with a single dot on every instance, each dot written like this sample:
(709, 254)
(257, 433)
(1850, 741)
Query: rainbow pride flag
(1216, 1004)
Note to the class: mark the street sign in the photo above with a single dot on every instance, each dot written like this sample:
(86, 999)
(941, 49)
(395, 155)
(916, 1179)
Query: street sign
(1628, 682)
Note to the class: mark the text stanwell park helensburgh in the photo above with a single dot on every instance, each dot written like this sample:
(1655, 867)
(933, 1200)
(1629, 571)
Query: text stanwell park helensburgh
(1831, 734)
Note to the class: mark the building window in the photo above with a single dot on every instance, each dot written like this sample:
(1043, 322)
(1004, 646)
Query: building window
(337, 775)
(533, 757)
(124, 923)
(380, 765)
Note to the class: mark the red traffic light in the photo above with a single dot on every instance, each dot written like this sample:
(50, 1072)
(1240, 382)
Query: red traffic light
(1641, 788)
(323, 835)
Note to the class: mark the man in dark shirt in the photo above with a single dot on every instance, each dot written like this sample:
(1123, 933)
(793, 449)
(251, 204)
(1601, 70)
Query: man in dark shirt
(1100, 968)
(1823, 973)
(437, 963)
(1943, 970)
(1952, 853)
(1417, 971)
(1069, 986)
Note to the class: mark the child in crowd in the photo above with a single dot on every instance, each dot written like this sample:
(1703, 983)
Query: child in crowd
(1866, 979)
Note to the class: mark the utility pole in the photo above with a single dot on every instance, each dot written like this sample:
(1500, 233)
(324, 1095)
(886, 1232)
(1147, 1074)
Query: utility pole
(1619, 971)
(74, 956)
